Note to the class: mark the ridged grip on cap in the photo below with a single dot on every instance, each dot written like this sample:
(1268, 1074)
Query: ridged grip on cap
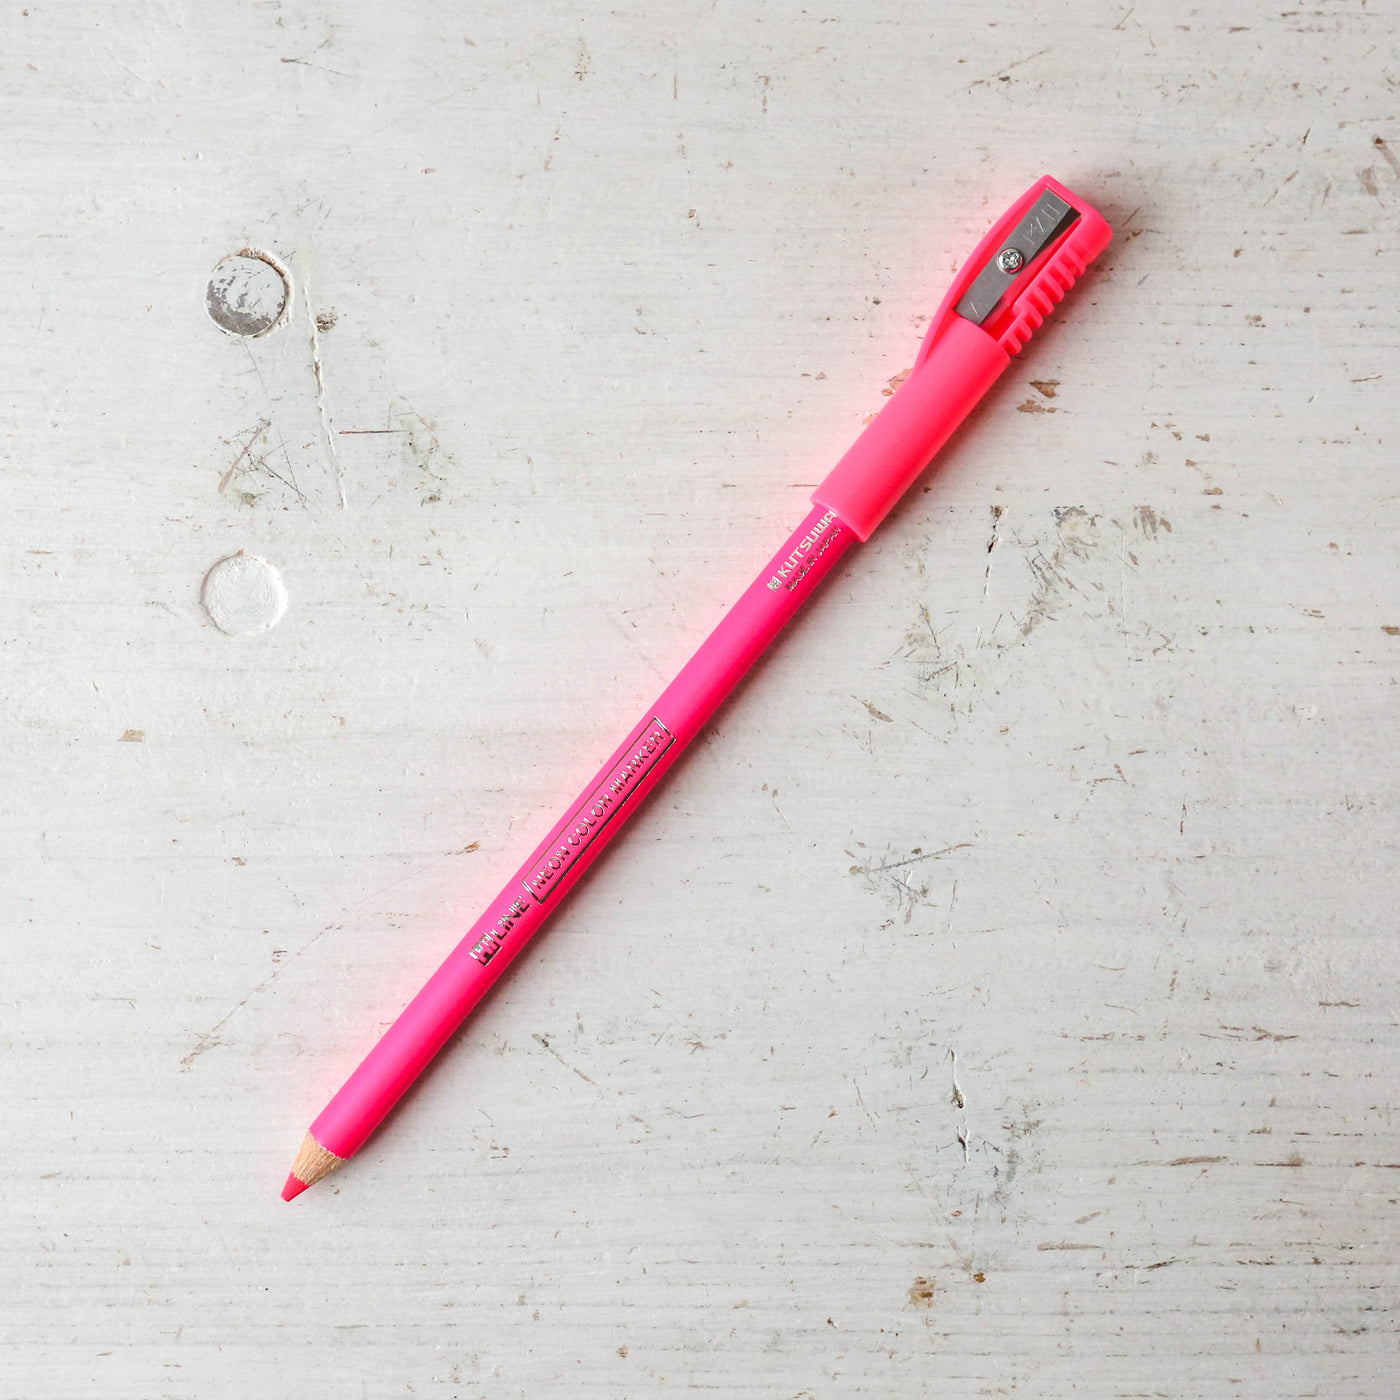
(1088, 238)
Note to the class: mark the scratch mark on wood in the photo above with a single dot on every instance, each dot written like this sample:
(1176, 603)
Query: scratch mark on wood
(291, 478)
(254, 433)
(544, 1041)
(1000, 76)
(997, 513)
(319, 67)
(321, 392)
(210, 1038)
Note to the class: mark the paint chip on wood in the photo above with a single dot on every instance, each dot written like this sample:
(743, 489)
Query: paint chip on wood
(244, 595)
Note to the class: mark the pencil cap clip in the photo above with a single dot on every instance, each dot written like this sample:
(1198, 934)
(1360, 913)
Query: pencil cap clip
(1022, 269)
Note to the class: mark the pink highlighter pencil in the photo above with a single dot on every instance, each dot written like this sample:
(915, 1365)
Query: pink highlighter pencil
(1014, 279)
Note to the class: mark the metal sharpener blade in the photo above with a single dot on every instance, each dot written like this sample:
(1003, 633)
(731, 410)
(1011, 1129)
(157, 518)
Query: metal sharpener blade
(1048, 218)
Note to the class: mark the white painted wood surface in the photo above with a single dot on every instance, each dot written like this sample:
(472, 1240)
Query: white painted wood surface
(1003, 1003)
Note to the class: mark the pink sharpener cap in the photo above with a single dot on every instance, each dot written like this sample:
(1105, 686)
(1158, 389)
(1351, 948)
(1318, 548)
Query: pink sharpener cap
(957, 363)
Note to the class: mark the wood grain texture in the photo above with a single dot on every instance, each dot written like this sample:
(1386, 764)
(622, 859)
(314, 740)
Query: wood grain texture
(1004, 1002)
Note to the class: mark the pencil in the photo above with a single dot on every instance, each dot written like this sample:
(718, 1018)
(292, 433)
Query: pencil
(1023, 267)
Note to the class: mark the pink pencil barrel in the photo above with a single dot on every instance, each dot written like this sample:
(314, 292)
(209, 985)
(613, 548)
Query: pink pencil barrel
(537, 889)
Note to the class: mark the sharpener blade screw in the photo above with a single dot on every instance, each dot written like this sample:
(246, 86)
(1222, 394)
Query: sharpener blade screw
(1010, 259)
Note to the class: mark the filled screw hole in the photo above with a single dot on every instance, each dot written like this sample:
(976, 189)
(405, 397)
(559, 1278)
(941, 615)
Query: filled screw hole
(248, 294)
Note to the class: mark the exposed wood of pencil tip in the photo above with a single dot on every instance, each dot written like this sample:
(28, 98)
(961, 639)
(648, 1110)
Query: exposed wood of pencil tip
(313, 1161)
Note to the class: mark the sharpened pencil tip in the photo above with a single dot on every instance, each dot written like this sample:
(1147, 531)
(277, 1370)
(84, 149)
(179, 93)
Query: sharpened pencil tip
(311, 1164)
